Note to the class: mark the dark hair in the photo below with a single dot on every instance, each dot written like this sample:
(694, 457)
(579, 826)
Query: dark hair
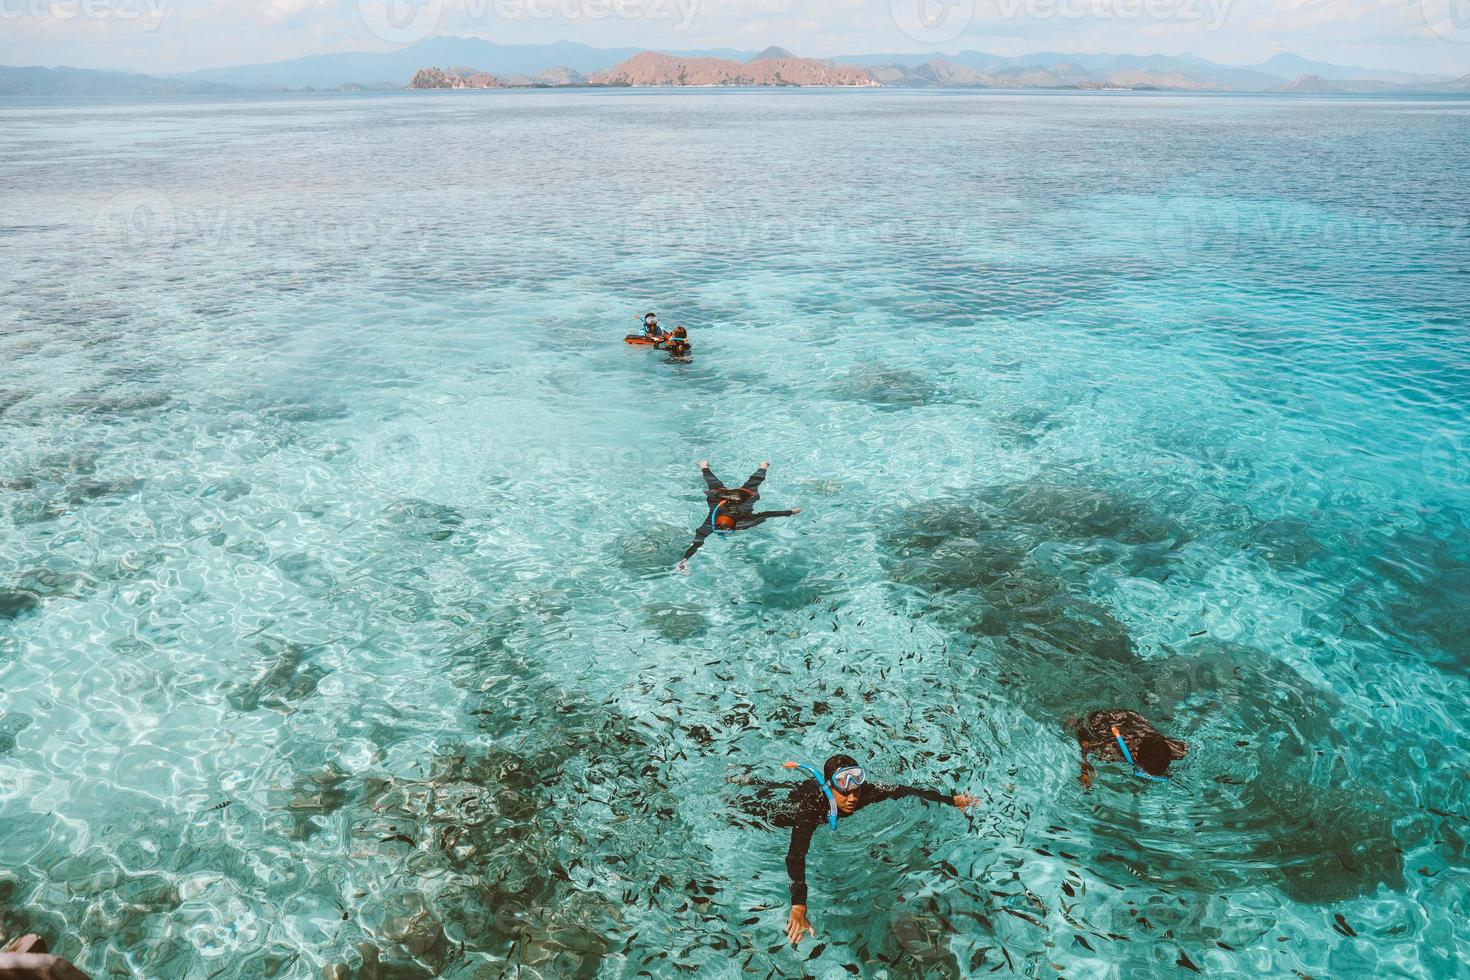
(1152, 754)
(835, 763)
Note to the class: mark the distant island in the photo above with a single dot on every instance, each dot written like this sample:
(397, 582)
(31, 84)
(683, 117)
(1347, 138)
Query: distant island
(474, 63)
(778, 67)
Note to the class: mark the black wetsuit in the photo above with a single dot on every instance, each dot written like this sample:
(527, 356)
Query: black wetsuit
(1095, 734)
(741, 511)
(804, 808)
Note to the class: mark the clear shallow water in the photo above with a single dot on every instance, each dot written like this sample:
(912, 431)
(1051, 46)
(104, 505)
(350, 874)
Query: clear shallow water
(336, 616)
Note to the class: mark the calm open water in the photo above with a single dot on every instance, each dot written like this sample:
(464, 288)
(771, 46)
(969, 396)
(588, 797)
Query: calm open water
(337, 622)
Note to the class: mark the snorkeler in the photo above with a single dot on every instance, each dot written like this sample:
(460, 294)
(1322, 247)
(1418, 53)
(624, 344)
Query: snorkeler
(652, 332)
(839, 790)
(730, 510)
(1119, 735)
(678, 346)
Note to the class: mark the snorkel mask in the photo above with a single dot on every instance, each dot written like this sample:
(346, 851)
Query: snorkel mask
(1137, 769)
(846, 779)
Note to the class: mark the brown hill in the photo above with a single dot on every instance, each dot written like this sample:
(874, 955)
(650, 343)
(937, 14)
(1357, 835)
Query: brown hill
(652, 68)
(430, 78)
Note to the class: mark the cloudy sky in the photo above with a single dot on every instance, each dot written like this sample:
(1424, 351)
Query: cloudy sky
(178, 35)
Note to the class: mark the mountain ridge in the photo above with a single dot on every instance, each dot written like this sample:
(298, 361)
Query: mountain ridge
(575, 63)
(505, 60)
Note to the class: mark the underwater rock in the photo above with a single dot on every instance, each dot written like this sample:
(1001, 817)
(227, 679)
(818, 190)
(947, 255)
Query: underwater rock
(995, 541)
(422, 519)
(1417, 592)
(979, 558)
(1068, 513)
(229, 489)
(12, 725)
(63, 466)
(1261, 693)
(130, 911)
(11, 397)
(888, 389)
(674, 622)
(654, 550)
(408, 921)
(50, 584)
(791, 578)
(923, 941)
(300, 411)
(1285, 542)
(1341, 844)
(373, 967)
(284, 675)
(87, 491)
(1025, 426)
(306, 571)
(15, 603)
(116, 405)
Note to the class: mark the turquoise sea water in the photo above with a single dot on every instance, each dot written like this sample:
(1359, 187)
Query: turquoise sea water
(337, 616)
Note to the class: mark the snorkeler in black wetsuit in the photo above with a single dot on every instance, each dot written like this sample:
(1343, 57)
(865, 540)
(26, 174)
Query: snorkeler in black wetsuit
(730, 510)
(842, 791)
(1120, 735)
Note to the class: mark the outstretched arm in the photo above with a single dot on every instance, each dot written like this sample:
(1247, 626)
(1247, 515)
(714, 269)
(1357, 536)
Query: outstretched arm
(711, 481)
(763, 515)
(699, 537)
(881, 792)
(797, 922)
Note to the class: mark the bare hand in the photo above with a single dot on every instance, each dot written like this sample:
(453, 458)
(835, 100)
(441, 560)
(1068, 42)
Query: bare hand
(795, 511)
(964, 802)
(704, 464)
(797, 923)
(1086, 776)
(765, 464)
(683, 567)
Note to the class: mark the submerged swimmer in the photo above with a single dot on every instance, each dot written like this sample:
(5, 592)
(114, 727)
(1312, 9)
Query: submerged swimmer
(840, 790)
(730, 510)
(1119, 735)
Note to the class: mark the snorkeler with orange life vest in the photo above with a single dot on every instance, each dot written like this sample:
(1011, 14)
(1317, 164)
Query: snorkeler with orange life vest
(730, 510)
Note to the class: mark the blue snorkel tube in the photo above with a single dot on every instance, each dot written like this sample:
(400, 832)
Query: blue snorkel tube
(816, 774)
(715, 527)
(1137, 769)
